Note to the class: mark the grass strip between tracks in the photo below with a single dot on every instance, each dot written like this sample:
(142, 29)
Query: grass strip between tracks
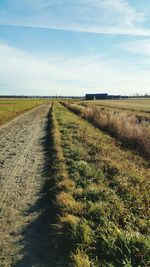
(62, 186)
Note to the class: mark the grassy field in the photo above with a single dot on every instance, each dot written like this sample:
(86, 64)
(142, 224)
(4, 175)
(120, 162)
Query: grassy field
(132, 131)
(139, 107)
(131, 104)
(102, 196)
(98, 187)
(10, 108)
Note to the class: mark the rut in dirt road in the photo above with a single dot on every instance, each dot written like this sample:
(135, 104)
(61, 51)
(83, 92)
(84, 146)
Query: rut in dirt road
(25, 209)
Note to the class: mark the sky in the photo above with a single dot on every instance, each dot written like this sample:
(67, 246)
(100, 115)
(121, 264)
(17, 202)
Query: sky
(66, 47)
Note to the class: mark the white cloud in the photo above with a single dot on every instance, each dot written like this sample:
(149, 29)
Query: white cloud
(97, 16)
(141, 47)
(66, 76)
(20, 70)
(69, 75)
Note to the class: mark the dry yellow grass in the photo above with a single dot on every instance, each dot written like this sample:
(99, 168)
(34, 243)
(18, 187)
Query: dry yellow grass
(111, 188)
(123, 126)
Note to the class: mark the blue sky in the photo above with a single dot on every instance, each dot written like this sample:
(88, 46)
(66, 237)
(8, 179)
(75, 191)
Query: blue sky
(67, 47)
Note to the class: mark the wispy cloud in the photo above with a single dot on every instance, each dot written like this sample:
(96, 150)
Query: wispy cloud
(95, 16)
(67, 76)
(140, 47)
(24, 70)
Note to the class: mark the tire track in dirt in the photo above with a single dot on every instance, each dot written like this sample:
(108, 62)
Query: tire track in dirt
(23, 179)
(13, 173)
(8, 128)
(17, 126)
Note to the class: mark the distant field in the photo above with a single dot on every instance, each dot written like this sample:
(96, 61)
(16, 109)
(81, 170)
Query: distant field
(136, 106)
(10, 108)
(133, 104)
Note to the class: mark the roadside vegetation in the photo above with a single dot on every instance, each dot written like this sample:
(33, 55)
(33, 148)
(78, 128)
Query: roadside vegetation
(138, 107)
(10, 108)
(61, 184)
(102, 197)
(125, 127)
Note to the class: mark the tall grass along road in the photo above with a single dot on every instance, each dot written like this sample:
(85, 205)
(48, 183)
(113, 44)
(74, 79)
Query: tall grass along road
(104, 203)
(138, 107)
(125, 127)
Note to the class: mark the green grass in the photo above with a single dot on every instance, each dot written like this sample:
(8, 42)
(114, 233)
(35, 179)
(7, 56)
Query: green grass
(103, 198)
(10, 108)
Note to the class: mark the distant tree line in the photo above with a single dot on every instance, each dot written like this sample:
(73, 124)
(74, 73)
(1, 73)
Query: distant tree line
(140, 96)
(73, 97)
(32, 97)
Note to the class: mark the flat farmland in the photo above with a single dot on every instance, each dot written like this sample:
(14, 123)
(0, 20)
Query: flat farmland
(75, 191)
(10, 108)
(142, 104)
(132, 106)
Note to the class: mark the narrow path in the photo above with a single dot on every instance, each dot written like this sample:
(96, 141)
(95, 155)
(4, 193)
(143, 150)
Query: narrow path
(25, 208)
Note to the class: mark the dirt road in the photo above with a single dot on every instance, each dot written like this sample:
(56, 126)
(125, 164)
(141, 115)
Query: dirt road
(25, 211)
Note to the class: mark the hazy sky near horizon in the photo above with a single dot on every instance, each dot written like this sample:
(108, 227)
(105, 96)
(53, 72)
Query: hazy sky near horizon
(66, 47)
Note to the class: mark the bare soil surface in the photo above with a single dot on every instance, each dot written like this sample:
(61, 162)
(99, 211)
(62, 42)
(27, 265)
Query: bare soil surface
(25, 209)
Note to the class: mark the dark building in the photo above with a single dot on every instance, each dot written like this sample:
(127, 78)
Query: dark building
(96, 96)
(103, 96)
(114, 97)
